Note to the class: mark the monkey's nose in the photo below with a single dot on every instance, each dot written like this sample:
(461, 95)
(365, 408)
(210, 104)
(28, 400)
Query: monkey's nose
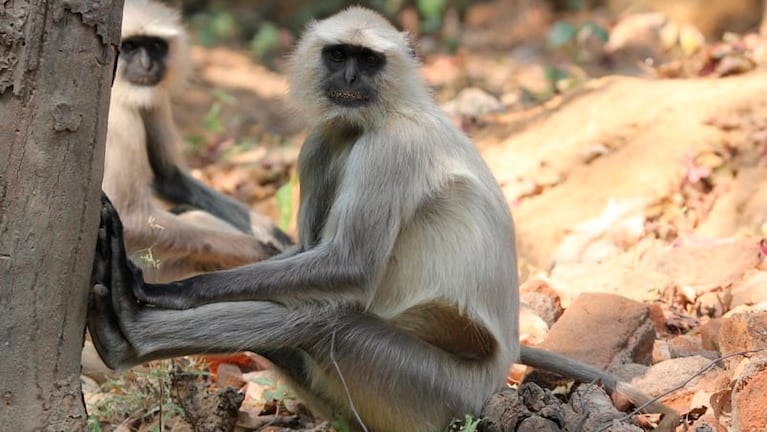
(144, 59)
(350, 74)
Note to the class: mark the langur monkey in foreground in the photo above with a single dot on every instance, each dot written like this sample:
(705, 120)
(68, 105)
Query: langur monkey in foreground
(202, 229)
(399, 308)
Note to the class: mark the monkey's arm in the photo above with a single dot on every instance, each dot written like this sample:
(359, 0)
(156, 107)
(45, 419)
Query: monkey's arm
(176, 185)
(361, 228)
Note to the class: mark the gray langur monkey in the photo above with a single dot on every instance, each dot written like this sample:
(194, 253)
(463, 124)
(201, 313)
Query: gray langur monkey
(400, 305)
(189, 227)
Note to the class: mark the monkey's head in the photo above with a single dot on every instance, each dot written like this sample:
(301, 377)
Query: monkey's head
(153, 54)
(357, 68)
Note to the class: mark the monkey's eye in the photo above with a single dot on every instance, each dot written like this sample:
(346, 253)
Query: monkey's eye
(128, 46)
(372, 60)
(337, 55)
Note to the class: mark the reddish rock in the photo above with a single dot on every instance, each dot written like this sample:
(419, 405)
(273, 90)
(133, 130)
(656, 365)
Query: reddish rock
(688, 345)
(657, 317)
(611, 276)
(680, 379)
(661, 351)
(751, 290)
(709, 334)
(743, 332)
(604, 330)
(543, 305)
(704, 266)
(748, 397)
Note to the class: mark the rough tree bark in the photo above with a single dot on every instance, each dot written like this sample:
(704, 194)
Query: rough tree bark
(56, 65)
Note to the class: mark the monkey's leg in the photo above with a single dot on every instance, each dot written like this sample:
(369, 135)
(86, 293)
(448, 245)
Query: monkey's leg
(395, 381)
(205, 248)
(262, 227)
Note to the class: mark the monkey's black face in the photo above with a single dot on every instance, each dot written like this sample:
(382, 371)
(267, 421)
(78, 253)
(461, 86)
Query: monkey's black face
(144, 59)
(351, 69)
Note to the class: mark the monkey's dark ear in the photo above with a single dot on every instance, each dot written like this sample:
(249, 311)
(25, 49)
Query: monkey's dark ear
(410, 44)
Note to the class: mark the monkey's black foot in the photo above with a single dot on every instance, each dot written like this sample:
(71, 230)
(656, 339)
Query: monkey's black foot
(112, 306)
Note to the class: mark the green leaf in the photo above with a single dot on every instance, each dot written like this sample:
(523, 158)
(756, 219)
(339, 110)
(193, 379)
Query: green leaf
(266, 40)
(595, 29)
(554, 74)
(212, 120)
(284, 197)
(263, 380)
(431, 9)
(561, 34)
(340, 423)
(470, 424)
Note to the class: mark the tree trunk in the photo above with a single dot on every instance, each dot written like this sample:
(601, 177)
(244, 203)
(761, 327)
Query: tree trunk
(56, 65)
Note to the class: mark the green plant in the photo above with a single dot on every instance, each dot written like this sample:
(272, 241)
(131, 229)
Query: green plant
(468, 424)
(340, 423)
(213, 121)
(266, 42)
(146, 255)
(274, 392)
(215, 27)
(284, 197)
(571, 39)
(139, 396)
(432, 12)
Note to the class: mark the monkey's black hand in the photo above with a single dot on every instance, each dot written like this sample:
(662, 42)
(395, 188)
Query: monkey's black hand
(111, 267)
(111, 304)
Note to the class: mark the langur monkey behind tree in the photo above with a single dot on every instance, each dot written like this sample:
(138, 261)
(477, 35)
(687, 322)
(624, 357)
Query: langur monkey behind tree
(204, 230)
(399, 307)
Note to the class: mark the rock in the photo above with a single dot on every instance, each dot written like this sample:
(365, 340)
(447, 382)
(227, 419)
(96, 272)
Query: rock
(629, 371)
(532, 328)
(612, 276)
(687, 346)
(503, 411)
(619, 226)
(666, 376)
(532, 408)
(743, 332)
(603, 330)
(538, 424)
(473, 102)
(229, 375)
(658, 317)
(742, 207)
(638, 36)
(750, 290)
(749, 406)
(709, 334)
(591, 403)
(542, 299)
(661, 351)
(705, 265)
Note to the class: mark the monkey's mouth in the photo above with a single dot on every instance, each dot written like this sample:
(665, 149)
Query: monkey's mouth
(349, 98)
(145, 81)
